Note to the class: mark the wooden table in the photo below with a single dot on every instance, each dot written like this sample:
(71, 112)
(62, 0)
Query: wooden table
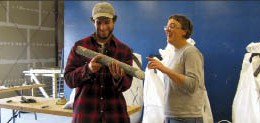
(23, 87)
(49, 105)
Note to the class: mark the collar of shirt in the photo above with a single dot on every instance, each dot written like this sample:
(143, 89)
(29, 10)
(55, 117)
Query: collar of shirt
(109, 43)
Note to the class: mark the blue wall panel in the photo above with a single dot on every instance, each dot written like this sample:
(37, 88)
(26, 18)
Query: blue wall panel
(222, 30)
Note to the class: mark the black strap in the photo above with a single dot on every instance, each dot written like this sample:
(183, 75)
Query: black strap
(157, 56)
(137, 61)
(253, 54)
(257, 71)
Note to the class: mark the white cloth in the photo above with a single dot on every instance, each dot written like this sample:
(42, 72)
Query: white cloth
(134, 95)
(206, 111)
(153, 97)
(246, 104)
(253, 47)
(154, 90)
(69, 104)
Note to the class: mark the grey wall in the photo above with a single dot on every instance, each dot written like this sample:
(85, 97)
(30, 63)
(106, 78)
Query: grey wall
(27, 37)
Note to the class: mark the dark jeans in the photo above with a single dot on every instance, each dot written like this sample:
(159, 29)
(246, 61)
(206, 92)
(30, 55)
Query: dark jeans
(183, 120)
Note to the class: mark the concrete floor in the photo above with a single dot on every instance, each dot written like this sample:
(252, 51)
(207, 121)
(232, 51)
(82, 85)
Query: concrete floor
(6, 114)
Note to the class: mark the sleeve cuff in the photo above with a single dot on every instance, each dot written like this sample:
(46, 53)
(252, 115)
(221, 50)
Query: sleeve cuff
(86, 73)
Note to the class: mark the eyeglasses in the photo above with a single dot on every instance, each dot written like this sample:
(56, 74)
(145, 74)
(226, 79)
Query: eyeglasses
(171, 27)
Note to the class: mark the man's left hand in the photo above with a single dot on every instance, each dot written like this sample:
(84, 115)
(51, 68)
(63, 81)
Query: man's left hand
(116, 71)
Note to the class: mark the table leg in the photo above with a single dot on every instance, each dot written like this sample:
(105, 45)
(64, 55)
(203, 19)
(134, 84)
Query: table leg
(0, 116)
(13, 116)
(32, 92)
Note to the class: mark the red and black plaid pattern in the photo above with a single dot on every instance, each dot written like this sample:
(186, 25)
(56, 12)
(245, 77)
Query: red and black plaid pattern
(98, 98)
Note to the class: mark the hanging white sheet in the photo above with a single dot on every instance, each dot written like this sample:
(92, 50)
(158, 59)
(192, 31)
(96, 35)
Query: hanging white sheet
(246, 104)
(134, 95)
(153, 97)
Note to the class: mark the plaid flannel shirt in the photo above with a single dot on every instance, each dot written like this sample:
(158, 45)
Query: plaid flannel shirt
(98, 97)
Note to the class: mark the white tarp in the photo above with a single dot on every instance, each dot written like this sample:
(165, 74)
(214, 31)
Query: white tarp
(153, 98)
(154, 90)
(246, 104)
(134, 95)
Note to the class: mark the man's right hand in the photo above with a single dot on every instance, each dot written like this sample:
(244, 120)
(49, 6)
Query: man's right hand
(93, 65)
